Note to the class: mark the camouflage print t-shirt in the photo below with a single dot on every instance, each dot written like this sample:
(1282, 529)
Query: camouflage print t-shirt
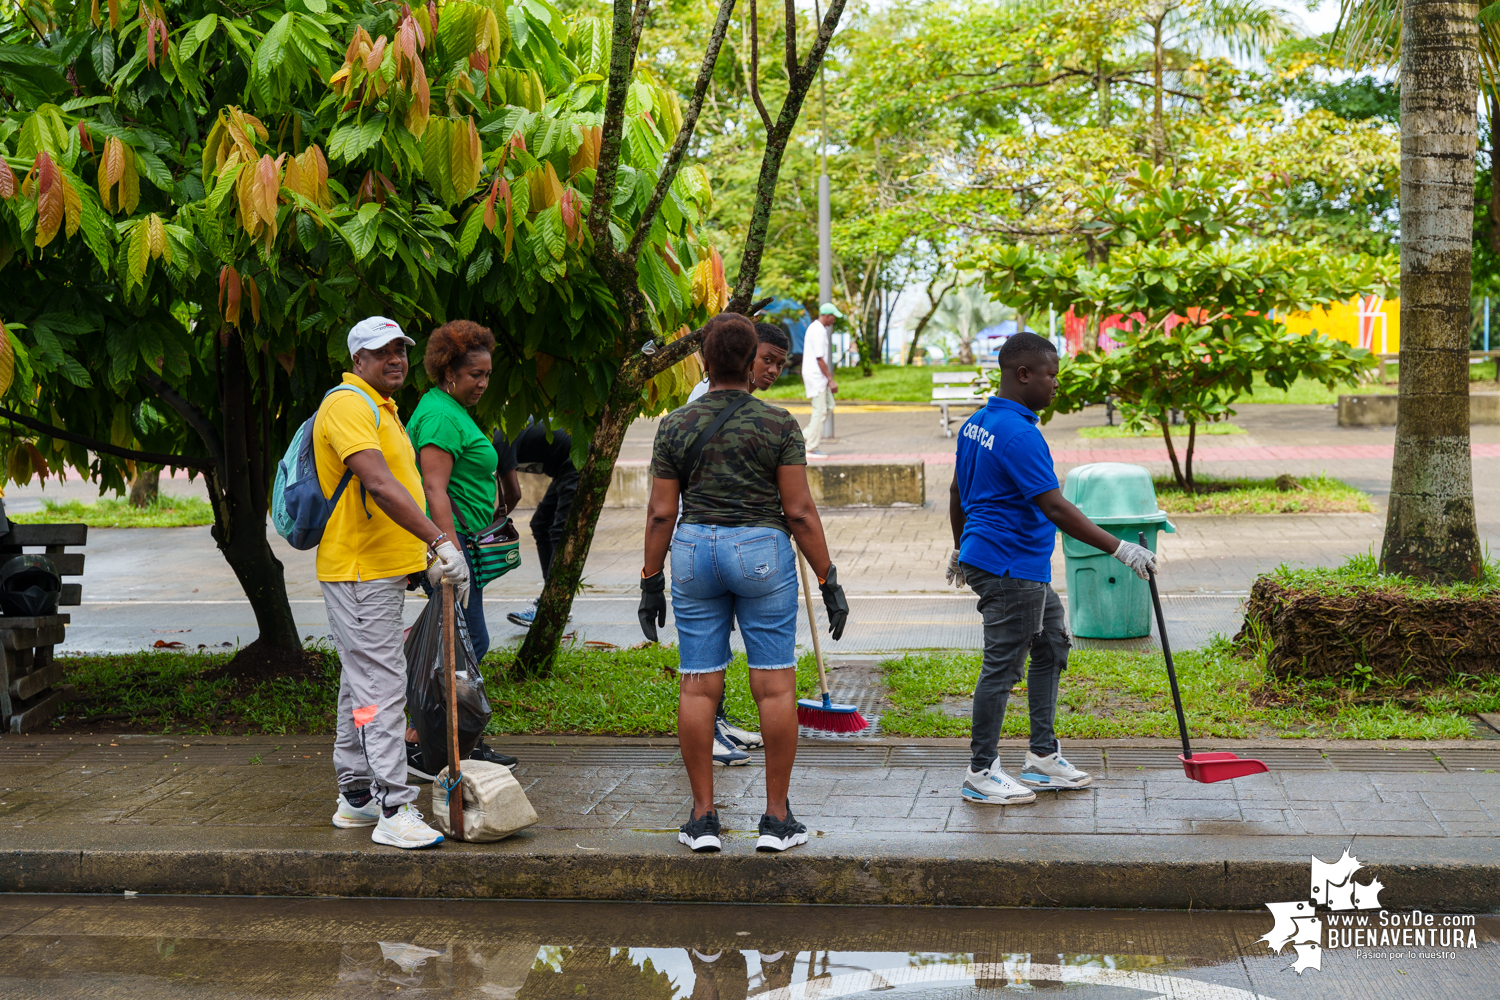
(735, 484)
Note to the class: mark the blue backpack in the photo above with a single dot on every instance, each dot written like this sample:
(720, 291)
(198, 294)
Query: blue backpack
(299, 510)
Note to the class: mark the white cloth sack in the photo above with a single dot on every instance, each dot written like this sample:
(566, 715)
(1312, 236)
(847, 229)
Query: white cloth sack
(494, 804)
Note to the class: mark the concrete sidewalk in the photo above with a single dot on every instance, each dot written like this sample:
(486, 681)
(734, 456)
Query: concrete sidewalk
(250, 815)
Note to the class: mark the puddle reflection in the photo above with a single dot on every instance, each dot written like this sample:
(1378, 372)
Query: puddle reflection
(171, 947)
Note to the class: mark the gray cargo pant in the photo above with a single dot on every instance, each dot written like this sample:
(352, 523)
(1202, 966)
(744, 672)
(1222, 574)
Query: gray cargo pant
(1020, 616)
(370, 748)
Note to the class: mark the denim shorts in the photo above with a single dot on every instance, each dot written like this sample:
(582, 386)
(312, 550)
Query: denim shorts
(722, 575)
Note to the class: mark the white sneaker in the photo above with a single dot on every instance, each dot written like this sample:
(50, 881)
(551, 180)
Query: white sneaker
(348, 817)
(738, 735)
(1053, 771)
(993, 787)
(405, 829)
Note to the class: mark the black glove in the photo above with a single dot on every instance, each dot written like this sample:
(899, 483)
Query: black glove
(835, 603)
(653, 609)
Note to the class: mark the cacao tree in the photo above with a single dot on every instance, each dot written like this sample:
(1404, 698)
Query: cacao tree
(196, 202)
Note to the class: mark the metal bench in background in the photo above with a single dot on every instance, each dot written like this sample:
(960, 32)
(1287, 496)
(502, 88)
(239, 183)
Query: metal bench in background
(31, 685)
(959, 389)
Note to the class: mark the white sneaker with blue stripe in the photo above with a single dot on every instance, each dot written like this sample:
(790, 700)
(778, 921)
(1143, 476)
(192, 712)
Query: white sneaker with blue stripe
(993, 787)
(1053, 771)
(726, 754)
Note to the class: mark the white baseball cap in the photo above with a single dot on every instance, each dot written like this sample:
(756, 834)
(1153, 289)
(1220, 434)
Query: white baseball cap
(376, 331)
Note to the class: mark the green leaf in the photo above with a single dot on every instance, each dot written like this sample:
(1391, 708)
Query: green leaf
(26, 55)
(223, 187)
(140, 253)
(205, 28)
(103, 52)
(473, 225)
(150, 166)
(351, 140)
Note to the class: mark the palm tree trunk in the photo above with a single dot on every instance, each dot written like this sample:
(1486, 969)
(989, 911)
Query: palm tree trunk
(1430, 531)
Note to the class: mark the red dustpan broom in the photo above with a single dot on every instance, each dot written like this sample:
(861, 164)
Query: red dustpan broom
(1204, 767)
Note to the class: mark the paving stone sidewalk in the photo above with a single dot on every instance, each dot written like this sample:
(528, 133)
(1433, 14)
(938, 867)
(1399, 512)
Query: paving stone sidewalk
(840, 790)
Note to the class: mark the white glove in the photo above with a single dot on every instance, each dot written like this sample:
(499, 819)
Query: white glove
(1139, 558)
(448, 564)
(955, 571)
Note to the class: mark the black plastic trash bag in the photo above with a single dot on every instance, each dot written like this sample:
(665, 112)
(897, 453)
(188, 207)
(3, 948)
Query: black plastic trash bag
(427, 692)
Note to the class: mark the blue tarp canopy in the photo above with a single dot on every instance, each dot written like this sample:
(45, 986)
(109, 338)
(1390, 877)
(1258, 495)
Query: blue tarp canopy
(790, 314)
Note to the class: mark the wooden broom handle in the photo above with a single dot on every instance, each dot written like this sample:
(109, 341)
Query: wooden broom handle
(812, 621)
(450, 670)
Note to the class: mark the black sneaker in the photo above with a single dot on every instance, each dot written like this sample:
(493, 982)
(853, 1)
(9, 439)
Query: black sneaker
(483, 751)
(780, 834)
(702, 834)
(415, 768)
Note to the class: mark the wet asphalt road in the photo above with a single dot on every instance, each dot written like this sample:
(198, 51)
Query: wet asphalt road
(62, 947)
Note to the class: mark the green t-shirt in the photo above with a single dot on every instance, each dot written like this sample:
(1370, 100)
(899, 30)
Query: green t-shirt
(735, 483)
(440, 421)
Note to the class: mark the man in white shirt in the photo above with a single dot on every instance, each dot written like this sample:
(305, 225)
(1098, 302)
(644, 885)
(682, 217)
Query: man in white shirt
(817, 374)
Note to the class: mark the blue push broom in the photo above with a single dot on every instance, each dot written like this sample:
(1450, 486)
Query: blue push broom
(824, 715)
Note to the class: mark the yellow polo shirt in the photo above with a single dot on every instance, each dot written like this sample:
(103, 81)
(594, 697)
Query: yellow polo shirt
(356, 547)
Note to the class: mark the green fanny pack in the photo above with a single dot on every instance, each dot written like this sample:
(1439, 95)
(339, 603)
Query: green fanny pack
(493, 552)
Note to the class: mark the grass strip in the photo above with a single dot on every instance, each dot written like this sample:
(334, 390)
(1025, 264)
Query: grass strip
(116, 512)
(618, 691)
(888, 384)
(1310, 495)
(1106, 693)
(1154, 433)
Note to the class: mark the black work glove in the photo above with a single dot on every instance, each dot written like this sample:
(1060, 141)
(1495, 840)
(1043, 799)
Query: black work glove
(835, 603)
(653, 609)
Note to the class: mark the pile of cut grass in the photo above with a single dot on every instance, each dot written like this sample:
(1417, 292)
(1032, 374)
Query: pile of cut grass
(1362, 628)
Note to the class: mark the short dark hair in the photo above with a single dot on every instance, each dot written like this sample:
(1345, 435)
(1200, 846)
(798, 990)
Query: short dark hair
(1022, 348)
(452, 342)
(773, 334)
(729, 344)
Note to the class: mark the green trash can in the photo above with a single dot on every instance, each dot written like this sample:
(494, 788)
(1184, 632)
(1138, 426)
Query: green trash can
(1105, 599)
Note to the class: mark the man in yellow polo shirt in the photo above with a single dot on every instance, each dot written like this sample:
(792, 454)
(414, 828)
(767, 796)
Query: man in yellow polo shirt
(375, 538)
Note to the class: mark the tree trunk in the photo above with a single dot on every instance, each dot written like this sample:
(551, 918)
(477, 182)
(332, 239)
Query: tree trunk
(620, 409)
(1430, 531)
(144, 485)
(1091, 324)
(1166, 435)
(916, 334)
(1192, 487)
(1158, 128)
(240, 507)
(1101, 84)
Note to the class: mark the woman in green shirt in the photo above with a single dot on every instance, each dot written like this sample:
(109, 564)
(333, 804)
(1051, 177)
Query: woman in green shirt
(455, 457)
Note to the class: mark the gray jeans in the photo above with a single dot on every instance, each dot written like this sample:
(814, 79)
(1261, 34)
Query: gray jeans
(1020, 617)
(370, 746)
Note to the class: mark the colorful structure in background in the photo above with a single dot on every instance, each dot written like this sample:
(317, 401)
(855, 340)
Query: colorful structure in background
(1367, 321)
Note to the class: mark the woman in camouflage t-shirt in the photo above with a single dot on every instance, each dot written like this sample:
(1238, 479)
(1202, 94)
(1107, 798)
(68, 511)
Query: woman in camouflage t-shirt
(743, 499)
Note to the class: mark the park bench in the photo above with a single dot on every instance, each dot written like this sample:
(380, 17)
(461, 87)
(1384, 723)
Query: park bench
(958, 389)
(30, 679)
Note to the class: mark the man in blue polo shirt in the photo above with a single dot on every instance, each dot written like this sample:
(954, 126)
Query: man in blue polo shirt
(1005, 508)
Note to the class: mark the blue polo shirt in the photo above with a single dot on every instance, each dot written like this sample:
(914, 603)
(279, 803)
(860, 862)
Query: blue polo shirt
(1003, 463)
